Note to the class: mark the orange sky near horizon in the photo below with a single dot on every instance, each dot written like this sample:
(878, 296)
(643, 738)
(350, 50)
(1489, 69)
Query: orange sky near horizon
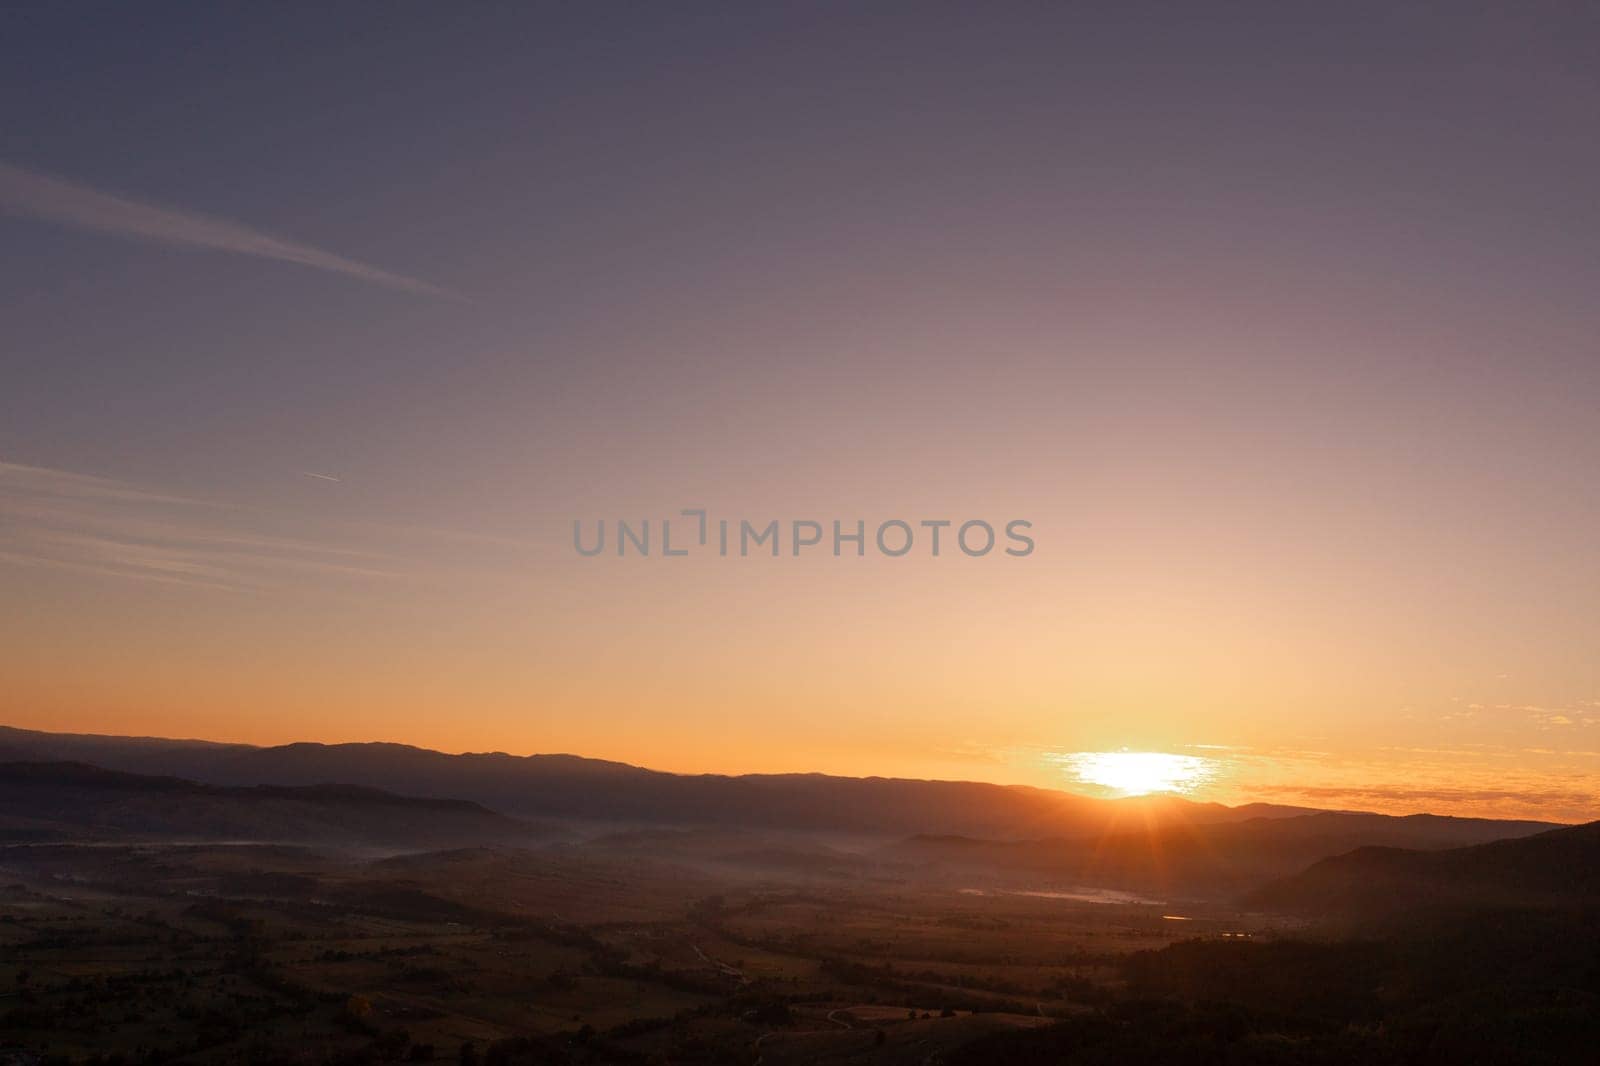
(981, 669)
(1222, 559)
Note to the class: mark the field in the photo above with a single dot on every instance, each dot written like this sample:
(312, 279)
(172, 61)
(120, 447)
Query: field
(267, 954)
(276, 955)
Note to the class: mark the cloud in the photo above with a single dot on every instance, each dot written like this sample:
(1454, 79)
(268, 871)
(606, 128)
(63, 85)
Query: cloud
(25, 192)
(67, 521)
(56, 519)
(1537, 797)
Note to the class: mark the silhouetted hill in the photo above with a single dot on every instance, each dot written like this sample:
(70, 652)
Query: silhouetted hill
(575, 787)
(1560, 868)
(1208, 858)
(75, 801)
(569, 786)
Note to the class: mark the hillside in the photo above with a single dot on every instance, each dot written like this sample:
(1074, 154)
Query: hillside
(65, 801)
(1559, 868)
(1201, 858)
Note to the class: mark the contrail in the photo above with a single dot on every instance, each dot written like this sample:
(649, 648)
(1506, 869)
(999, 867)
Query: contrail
(323, 477)
(27, 193)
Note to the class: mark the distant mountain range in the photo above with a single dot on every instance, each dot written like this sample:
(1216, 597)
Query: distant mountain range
(405, 796)
(568, 786)
(69, 801)
(1202, 857)
(1559, 868)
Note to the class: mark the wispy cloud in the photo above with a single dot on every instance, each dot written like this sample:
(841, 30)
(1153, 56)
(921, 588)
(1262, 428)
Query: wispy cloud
(1457, 798)
(62, 520)
(26, 192)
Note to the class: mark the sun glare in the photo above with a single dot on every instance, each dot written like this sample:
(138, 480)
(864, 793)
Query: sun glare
(1139, 773)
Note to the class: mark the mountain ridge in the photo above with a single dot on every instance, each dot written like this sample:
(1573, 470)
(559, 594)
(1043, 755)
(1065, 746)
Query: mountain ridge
(573, 786)
(47, 802)
(1555, 868)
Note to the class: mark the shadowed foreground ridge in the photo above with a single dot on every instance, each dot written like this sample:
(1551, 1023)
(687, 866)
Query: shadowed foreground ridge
(1558, 868)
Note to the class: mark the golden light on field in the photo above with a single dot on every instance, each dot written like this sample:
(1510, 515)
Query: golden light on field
(1139, 773)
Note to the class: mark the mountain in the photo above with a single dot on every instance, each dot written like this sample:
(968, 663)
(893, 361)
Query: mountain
(1199, 857)
(68, 801)
(1559, 868)
(568, 786)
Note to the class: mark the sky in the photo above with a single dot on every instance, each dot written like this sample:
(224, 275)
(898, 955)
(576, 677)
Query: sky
(321, 328)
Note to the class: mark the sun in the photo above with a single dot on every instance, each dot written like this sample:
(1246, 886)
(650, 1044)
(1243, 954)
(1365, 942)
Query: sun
(1139, 773)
